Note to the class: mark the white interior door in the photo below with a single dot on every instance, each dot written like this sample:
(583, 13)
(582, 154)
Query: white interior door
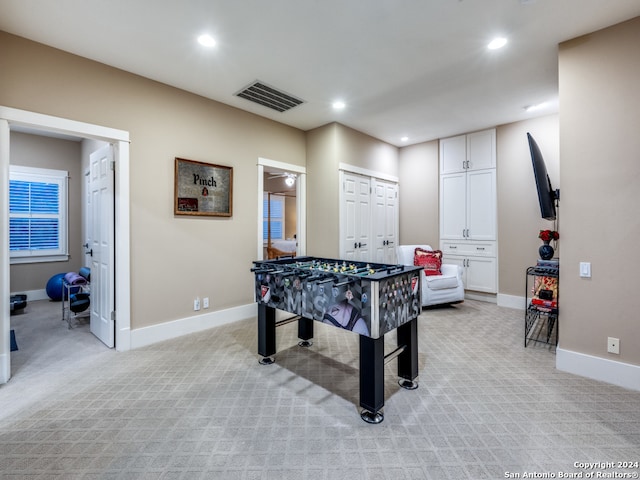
(390, 222)
(379, 221)
(355, 217)
(101, 244)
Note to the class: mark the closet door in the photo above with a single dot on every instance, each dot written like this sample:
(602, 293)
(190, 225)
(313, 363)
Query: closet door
(385, 221)
(355, 217)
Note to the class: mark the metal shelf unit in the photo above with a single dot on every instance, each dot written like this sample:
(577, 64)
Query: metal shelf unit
(68, 290)
(541, 322)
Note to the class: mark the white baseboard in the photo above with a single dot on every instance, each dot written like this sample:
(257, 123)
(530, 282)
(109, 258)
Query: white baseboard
(141, 337)
(5, 374)
(511, 301)
(480, 296)
(33, 295)
(598, 368)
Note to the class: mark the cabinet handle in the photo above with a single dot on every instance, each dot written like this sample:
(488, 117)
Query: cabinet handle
(479, 248)
(453, 246)
(355, 245)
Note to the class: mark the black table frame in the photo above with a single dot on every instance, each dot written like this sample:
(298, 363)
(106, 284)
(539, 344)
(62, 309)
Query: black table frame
(372, 358)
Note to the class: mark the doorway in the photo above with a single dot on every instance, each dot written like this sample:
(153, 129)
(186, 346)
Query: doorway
(44, 124)
(272, 177)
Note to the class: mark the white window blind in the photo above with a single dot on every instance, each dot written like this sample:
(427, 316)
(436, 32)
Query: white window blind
(277, 217)
(37, 214)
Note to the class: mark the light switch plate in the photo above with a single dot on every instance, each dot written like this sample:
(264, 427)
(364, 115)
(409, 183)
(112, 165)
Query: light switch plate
(585, 269)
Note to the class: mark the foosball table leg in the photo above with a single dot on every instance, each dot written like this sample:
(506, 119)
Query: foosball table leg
(408, 360)
(305, 332)
(371, 378)
(266, 333)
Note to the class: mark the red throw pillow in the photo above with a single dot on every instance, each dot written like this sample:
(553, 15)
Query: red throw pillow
(430, 260)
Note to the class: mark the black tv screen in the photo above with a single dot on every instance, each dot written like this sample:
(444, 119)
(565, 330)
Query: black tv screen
(546, 194)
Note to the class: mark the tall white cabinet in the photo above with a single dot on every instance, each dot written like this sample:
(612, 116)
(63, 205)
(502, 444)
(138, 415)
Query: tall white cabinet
(468, 207)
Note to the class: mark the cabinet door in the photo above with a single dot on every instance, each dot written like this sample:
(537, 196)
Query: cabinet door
(453, 154)
(481, 274)
(481, 205)
(481, 150)
(459, 261)
(453, 206)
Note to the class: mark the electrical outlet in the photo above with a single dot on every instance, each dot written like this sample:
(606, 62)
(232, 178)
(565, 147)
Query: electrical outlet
(196, 304)
(613, 345)
(205, 302)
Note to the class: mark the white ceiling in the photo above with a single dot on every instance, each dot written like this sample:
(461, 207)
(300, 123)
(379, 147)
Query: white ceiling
(418, 68)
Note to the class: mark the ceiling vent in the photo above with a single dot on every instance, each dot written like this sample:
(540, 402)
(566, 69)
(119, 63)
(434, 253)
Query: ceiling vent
(263, 94)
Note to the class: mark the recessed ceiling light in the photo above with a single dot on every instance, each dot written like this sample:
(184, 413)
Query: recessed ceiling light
(533, 108)
(497, 43)
(404, 139)
(339, 105)
(206, 40)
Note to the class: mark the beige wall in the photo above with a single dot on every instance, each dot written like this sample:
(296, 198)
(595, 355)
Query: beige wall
(322, 190)
(519, 219)
(53, 153)
(173, 258)
(361, 150)
(290, 217)
(327, 147)
(600, 169)
(419, 199)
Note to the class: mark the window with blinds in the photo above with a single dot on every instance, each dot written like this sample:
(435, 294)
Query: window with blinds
(276, 211)
(37, 214)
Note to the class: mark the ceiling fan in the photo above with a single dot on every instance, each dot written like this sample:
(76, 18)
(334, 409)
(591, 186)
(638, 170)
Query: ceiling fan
(289, 178)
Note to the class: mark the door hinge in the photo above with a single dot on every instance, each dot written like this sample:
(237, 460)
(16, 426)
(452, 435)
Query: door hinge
(113, 315)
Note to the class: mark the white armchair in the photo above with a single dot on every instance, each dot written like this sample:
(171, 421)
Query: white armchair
(436, 289)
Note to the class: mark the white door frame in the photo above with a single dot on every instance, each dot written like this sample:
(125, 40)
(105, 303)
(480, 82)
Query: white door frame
(11, 117)
(301, 203)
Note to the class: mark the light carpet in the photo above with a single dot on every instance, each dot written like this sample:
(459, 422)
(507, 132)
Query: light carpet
(201, 407)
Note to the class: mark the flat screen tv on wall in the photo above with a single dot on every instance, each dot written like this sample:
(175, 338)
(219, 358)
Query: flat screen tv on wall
(547, 196)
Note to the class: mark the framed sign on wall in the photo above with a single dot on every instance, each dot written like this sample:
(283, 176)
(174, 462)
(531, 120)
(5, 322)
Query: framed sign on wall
(203, 189)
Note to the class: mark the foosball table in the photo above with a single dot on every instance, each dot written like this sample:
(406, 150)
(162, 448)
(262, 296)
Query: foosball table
(370, 299)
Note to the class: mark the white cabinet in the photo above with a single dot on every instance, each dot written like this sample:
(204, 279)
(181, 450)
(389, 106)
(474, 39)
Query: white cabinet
(468, 205)
(474, 151)
(468, 208)
(479, 273)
